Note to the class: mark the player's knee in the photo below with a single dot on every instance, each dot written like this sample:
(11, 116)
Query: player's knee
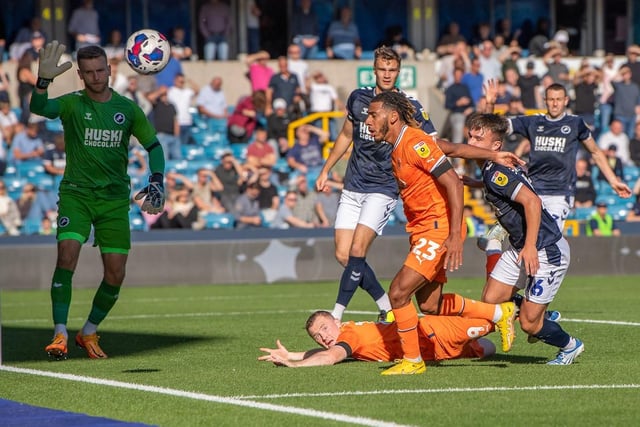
(428, 308)
(342, 258)
(529, 327)
(115, 275)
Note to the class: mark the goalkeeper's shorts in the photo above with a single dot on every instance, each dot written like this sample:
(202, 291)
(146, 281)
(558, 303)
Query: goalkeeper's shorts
(77, 212)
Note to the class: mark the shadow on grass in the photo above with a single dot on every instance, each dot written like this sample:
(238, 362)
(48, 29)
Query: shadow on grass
(27, 344)
(495, 361)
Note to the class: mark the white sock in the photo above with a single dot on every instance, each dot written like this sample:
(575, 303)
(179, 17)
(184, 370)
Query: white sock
(497, 313)
(384, 303)
(571, 345)
(89, 328)
(338, 310)
(60, 328)
(494, 246)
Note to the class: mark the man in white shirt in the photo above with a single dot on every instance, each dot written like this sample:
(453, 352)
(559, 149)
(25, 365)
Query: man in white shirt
(211, 101)
(181, 96)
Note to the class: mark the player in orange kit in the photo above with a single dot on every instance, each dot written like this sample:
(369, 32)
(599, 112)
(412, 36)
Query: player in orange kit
(441, 338)
(431, 192)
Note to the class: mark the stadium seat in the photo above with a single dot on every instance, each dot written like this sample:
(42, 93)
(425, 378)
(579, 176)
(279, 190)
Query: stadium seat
(176, 166)
(136, 221)
(29, 168)
(239, 151)
(53, 125)
(582, 213)
(215, 221)
(30, 226)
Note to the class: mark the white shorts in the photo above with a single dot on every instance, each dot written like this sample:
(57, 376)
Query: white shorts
(370, 209)
(559, 207)
(542, 288)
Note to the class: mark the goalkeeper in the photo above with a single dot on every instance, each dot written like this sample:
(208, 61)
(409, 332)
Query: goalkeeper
(95, 189)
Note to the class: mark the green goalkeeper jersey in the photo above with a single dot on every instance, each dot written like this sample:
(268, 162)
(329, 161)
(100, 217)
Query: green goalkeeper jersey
(96, 136)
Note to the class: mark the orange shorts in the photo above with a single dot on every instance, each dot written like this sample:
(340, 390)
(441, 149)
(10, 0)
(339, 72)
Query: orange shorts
(426, 256)
(455, 337)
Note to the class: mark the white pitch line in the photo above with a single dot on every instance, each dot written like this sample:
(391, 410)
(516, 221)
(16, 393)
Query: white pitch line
(447, 390)
(364, 421)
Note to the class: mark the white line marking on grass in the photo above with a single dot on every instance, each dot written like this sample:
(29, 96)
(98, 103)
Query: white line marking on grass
(207, 397)
(602, 322)
(448, 390)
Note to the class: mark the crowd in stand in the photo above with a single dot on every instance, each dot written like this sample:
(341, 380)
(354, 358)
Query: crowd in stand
(232, 165)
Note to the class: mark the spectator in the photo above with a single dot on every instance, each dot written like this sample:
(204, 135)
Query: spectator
(557, 69)
(205, 189)
(233, 177)
(165, 120)
(28, 145)
(283, 84)
(586, 89)
(538, 44)
(22, 42)
(459, 103)
(26, 84)
(136, 95)
(475, 224)
(245, 117)
(211, 101)
(626, 100)
(634, 212)
(503, 29)
(634, 146)
(609, 73)
(253, 26)
(306, 154)
(168, 74)
(268, 198)
(179, 47)
(323, 97)
(3, 156)
(259, 73)
(34, 205)
(601, 223)
(215, 25)
(490, 66)
(286, 218)
(307, 206)
(481, 33)
(247, 208)
(343, 38)
(327, 205)
(84, 25)
(117, 80)
(55, 157)
(259, 152)
(448, 41)
(511, 77)
(115, 46)
(509, 59)
(474, 80)
(277, 127)
(304, 27)
(180, 210)
(298, 66)
(585, 195)
(181, 96)
(137, 164)
(396, 40)
(46, 227)
(617, 138)
(614, 162)
(633, 62)
(458, 58)
(9, 213)
(529, 85)
(4, 85)
(9, 124)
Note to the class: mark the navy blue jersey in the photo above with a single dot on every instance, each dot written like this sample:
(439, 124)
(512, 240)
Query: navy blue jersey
(554, 147)
(501, 186)
(369, 168)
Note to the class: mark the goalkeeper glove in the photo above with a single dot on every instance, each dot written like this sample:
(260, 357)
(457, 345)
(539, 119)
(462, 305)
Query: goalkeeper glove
(153, 195)
(48, 67)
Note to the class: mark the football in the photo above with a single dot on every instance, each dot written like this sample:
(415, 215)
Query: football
(147, 51)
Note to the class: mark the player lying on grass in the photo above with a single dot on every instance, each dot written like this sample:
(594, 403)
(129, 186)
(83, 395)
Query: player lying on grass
(441, 338)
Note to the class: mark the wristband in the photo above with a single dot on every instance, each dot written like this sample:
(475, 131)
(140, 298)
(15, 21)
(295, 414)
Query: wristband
(157, 178)
(43, 83)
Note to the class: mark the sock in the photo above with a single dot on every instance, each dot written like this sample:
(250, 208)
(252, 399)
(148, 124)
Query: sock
(60, 328)
(89, 328)
(105, 298)
(61, 295)
(571, 344)
(407, 321)
(552, 334)
(350, 280)
(517, 299)
(338, 310)
(457, 305)
(384, 303)
(493, 252)
(371, 284)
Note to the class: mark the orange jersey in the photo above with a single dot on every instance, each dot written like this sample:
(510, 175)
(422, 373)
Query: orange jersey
(414, 157)
(441, 337)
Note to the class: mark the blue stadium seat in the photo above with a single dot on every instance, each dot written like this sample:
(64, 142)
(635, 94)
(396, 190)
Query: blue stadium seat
(30, 226)
(136, 221)
(192, 152)
(29, 168)
(176, 166)
(582, 213)
(53, 125)
(43, 182)
(215, 221)
(239, 151)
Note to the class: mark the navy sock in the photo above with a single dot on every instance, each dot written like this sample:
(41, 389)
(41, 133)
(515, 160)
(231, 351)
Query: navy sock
(552, 334)
(351, 279)
(371, 284)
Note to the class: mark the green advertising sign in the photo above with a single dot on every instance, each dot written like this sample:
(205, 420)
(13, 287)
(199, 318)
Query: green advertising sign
(406, 80)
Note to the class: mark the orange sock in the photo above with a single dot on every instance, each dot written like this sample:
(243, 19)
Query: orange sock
(492, 260)
(407, 322)
(457, 305)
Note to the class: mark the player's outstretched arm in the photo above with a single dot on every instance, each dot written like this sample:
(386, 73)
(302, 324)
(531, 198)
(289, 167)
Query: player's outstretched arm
(317, 357)
(48, 68)
(600, 159)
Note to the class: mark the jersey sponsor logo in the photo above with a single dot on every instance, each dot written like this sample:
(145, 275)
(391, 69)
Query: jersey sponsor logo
(118, 118)
(499, 179)
(550, 143)
(424, 114)
(63, 221)
(422, 149)
(566, 129)
(87, 116)
(104, 138)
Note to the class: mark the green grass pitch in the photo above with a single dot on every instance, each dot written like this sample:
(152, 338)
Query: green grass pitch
(187, 356)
